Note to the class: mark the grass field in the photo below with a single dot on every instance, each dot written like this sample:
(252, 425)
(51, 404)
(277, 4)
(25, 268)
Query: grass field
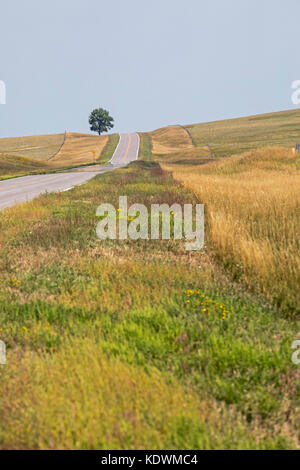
(27, 155)
(79, 149)
(40, 147)
(173, 144)
(168, 139)
(243, 134)
(252, 202)
(11, 165)
(253, 226)
(142, 344)
(119, 345)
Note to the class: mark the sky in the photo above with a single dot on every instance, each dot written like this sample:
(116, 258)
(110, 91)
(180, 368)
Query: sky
(150, 63)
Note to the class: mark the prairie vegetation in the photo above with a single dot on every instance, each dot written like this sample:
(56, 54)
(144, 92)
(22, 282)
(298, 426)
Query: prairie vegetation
(145, 150)
(109, 148)
(141, 344)
(133, 344)
(26, 155)
(38, 147)
(252, 199)
(173, 144)
(79, 149)
(253, 218)
(11, 165)
(169, 139)
(233, 136)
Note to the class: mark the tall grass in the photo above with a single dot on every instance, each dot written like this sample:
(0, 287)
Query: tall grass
(140, 344)
(123, 344)
(253, 208)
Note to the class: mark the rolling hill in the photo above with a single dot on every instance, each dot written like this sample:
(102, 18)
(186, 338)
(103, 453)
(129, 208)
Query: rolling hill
(38, 147)
(196, 143)
(138, 343)
(15, 165)
(79, 149)
(23, 155)
(242, 134)
(252, 198)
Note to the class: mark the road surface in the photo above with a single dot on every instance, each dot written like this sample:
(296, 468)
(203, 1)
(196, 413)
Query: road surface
(27, 188)
(126, 151)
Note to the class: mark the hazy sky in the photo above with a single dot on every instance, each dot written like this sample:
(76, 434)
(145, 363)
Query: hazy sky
(149, 62)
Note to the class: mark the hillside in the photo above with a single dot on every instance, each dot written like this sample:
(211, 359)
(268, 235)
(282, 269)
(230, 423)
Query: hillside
(139, 344)
(173, 144)
(79, 149)
(240, 135)
(195, 142)
(252, 198)
(15, 165)
(37, 147)
(23, 155)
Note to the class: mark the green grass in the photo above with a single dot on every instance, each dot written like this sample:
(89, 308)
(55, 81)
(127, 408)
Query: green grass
(141, 344)
(243, 134)
(109, 345)
(110, 147)
(145, 150)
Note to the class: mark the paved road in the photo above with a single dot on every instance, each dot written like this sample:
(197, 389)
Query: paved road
(27, 188)
(126, 151)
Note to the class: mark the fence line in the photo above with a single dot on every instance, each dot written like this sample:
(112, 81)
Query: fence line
(59, 149)
(189, 134)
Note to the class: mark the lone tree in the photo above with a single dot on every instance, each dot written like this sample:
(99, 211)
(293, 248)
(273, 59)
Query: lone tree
(100, 120)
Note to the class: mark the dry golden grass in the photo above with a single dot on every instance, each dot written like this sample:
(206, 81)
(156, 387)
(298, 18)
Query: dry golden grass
(80, 149)
(25, 155)
(253, 206)
(37, 147)
(14, 165)
(170, 139)
(173, 145)
(189, 156)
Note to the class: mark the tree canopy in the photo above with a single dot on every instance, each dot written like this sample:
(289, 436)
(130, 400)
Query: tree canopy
(100, 121)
